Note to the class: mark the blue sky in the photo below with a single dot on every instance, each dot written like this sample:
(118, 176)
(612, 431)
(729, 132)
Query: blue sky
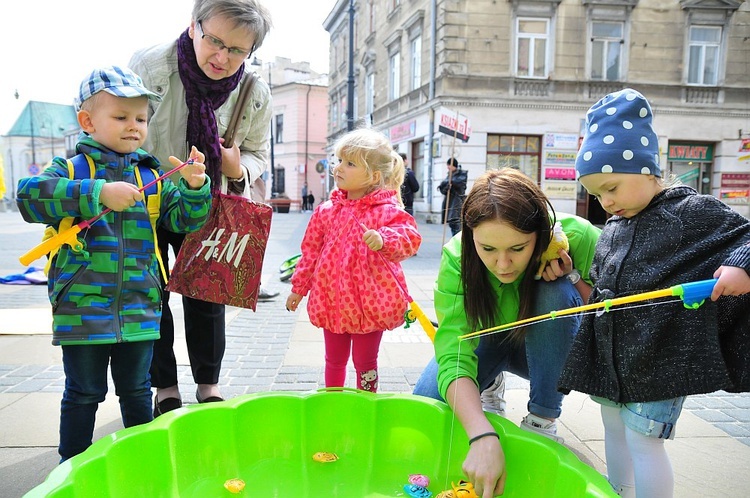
(45, 53)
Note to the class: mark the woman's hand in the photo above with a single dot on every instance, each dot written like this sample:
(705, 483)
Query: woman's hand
(230, 161)
(195, 173)
(485, 467)
(733, 281)
(293, 301)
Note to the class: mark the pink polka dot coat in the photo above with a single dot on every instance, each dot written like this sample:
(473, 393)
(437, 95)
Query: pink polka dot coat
(351, 289)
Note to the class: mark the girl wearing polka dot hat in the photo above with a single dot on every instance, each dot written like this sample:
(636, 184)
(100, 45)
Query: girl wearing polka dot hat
(351, 252)
(640, 363)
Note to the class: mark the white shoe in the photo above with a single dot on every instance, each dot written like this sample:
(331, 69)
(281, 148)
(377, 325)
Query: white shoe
(547, 428)
(493, 398)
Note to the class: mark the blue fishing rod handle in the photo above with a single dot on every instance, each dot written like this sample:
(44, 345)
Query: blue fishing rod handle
(694, 293)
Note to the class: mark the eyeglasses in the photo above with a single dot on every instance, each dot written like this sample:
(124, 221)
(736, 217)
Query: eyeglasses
(218, 45)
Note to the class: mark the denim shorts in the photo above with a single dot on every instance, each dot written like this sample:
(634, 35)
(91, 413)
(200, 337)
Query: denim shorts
(655, 419)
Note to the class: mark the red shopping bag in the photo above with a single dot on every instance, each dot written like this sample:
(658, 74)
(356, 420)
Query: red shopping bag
(222, 261)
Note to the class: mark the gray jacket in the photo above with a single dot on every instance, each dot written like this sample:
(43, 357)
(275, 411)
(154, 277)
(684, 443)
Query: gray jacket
(661, 352)
(167, 128)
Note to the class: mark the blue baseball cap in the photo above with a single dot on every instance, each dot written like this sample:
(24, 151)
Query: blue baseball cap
(619, 137)
(117, 81)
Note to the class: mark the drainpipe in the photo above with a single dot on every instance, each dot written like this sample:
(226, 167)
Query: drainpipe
(431, 97)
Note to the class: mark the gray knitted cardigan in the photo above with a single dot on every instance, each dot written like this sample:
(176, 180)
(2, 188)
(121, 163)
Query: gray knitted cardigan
(662, 352)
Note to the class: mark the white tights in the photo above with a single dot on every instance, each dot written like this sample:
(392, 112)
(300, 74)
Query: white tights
(637, 465)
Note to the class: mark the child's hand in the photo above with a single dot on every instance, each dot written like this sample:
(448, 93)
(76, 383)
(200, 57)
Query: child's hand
(194, 174)
(373, 239)
(293, 301)
(118, 196)
(733, 281)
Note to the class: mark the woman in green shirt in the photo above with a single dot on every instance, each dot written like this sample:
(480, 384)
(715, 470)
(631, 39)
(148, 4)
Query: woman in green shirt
(487, 279)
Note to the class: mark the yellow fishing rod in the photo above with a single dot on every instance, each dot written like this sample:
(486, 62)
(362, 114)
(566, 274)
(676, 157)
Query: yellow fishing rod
(692, 294)
(414, 312)
(70, 236)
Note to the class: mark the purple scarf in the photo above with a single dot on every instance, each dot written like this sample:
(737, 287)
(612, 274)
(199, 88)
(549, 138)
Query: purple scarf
(203, 96)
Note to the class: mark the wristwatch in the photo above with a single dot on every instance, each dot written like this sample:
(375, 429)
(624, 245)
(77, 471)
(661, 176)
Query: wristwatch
(574, 276)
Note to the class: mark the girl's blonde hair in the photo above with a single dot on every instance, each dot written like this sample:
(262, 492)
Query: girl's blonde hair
(372, 150)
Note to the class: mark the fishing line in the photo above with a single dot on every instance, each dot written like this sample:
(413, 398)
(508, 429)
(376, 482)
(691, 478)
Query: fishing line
(598, 312)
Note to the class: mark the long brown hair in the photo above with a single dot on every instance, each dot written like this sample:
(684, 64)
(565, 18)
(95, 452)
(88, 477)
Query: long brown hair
(509, 196)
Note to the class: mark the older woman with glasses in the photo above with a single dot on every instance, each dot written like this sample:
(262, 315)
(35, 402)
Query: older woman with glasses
(198, 77)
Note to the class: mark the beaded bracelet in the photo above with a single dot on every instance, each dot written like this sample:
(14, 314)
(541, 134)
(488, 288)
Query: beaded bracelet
(484, 434)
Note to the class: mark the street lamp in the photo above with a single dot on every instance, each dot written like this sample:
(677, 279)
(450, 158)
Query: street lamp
(258, 63)
(350, 80)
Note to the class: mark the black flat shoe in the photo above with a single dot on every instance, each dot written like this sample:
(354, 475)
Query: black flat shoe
(166, 405)
(210, 399)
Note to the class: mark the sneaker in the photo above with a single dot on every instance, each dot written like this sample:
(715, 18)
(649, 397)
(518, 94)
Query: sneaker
(493, 398)
(265, 295)
(547, 428)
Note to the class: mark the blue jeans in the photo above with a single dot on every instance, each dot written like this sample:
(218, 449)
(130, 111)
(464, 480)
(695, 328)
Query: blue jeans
(539, 358)
(86, 386)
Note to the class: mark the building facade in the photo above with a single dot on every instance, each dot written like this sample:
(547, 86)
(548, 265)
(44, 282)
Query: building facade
(298, 128)
(508, 83)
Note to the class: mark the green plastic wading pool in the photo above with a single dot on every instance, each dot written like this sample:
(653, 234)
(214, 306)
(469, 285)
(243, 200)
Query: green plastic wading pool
(268, 440)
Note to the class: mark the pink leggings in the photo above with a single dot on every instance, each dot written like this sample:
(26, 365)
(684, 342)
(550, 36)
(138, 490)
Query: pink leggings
(364, 349)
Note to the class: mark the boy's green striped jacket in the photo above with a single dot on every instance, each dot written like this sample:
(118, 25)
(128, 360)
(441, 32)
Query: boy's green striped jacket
(110, 292)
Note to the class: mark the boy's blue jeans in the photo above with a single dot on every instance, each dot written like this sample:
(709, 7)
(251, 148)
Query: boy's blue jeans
(86, 386)
(539, 358)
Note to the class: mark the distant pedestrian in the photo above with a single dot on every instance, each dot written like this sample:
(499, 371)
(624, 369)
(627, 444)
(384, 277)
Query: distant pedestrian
(351, 255)
(640, 363)
(310, 201)
(453, 187)
(305, 203)
(409, 187)
(106, 298)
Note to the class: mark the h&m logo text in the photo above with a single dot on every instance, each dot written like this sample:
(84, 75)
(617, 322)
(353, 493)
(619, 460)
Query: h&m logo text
(231, 250)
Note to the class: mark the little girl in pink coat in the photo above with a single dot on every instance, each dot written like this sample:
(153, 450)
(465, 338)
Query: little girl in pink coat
(351, 250)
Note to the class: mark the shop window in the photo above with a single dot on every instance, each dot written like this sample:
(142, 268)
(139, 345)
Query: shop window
(520, 152)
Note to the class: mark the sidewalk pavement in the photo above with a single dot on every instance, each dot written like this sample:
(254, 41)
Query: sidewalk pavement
(274, 350)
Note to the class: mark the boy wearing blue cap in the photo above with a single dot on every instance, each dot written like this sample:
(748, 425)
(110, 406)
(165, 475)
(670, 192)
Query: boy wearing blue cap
(640, 363)
(106, 295)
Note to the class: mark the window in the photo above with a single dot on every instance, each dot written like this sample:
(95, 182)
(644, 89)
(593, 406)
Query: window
(515, 151)
(394, 73)
(279, 128)
(371, 20)
(606, 50)
(370, 93)
(532, 42)
(334, 114)
(416, 62)
(703, 54)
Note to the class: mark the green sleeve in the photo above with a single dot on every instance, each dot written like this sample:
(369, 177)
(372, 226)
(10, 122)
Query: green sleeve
(582, 237)
(449, 308)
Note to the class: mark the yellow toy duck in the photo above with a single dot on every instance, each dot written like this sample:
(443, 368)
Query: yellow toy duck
(558, 240)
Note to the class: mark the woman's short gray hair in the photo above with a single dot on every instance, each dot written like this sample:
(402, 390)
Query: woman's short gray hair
(245, 13)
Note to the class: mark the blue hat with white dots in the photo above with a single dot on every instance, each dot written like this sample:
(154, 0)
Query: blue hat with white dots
(620, 137)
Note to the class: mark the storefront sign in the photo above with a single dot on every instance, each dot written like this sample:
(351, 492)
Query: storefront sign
(559, 190)
(453, 124)
(691, 152)
(561, 141)
(734, 196)
(402, 131)
(559, 173)
(735, 180)
(560, 158)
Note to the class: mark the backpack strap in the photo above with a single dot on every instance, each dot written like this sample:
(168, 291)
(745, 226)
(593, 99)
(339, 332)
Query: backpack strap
(152, 198)
(79, 166)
